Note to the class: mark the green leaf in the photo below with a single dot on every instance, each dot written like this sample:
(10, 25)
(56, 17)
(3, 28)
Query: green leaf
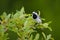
(44, 35)
(22, 10)
(37, 36)
(7, 17)
(50, 28)
(43, 19)
(45, 25)
(18, 14)
(48, 37)
(3, 16)
(39, 12)
(31, 37)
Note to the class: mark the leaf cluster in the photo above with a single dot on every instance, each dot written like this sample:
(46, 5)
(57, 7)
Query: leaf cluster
(24, 26)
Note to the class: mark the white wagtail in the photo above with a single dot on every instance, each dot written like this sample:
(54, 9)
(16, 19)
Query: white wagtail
(36, 17)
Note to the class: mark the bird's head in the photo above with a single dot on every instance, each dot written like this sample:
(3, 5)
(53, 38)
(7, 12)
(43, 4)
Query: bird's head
(34, 15)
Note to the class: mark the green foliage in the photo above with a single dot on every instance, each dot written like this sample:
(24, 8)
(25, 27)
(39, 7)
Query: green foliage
(23, 25)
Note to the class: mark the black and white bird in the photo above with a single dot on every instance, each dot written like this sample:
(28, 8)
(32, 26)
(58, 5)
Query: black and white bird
(36, 17)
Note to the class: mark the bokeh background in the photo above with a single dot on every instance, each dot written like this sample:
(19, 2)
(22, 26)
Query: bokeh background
(49, 10)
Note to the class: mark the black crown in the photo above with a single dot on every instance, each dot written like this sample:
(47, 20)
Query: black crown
(34, 16)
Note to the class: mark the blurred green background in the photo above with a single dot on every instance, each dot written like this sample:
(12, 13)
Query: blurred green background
(49, 10)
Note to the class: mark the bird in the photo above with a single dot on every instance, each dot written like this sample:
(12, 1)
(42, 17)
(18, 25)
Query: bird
(36, 17)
